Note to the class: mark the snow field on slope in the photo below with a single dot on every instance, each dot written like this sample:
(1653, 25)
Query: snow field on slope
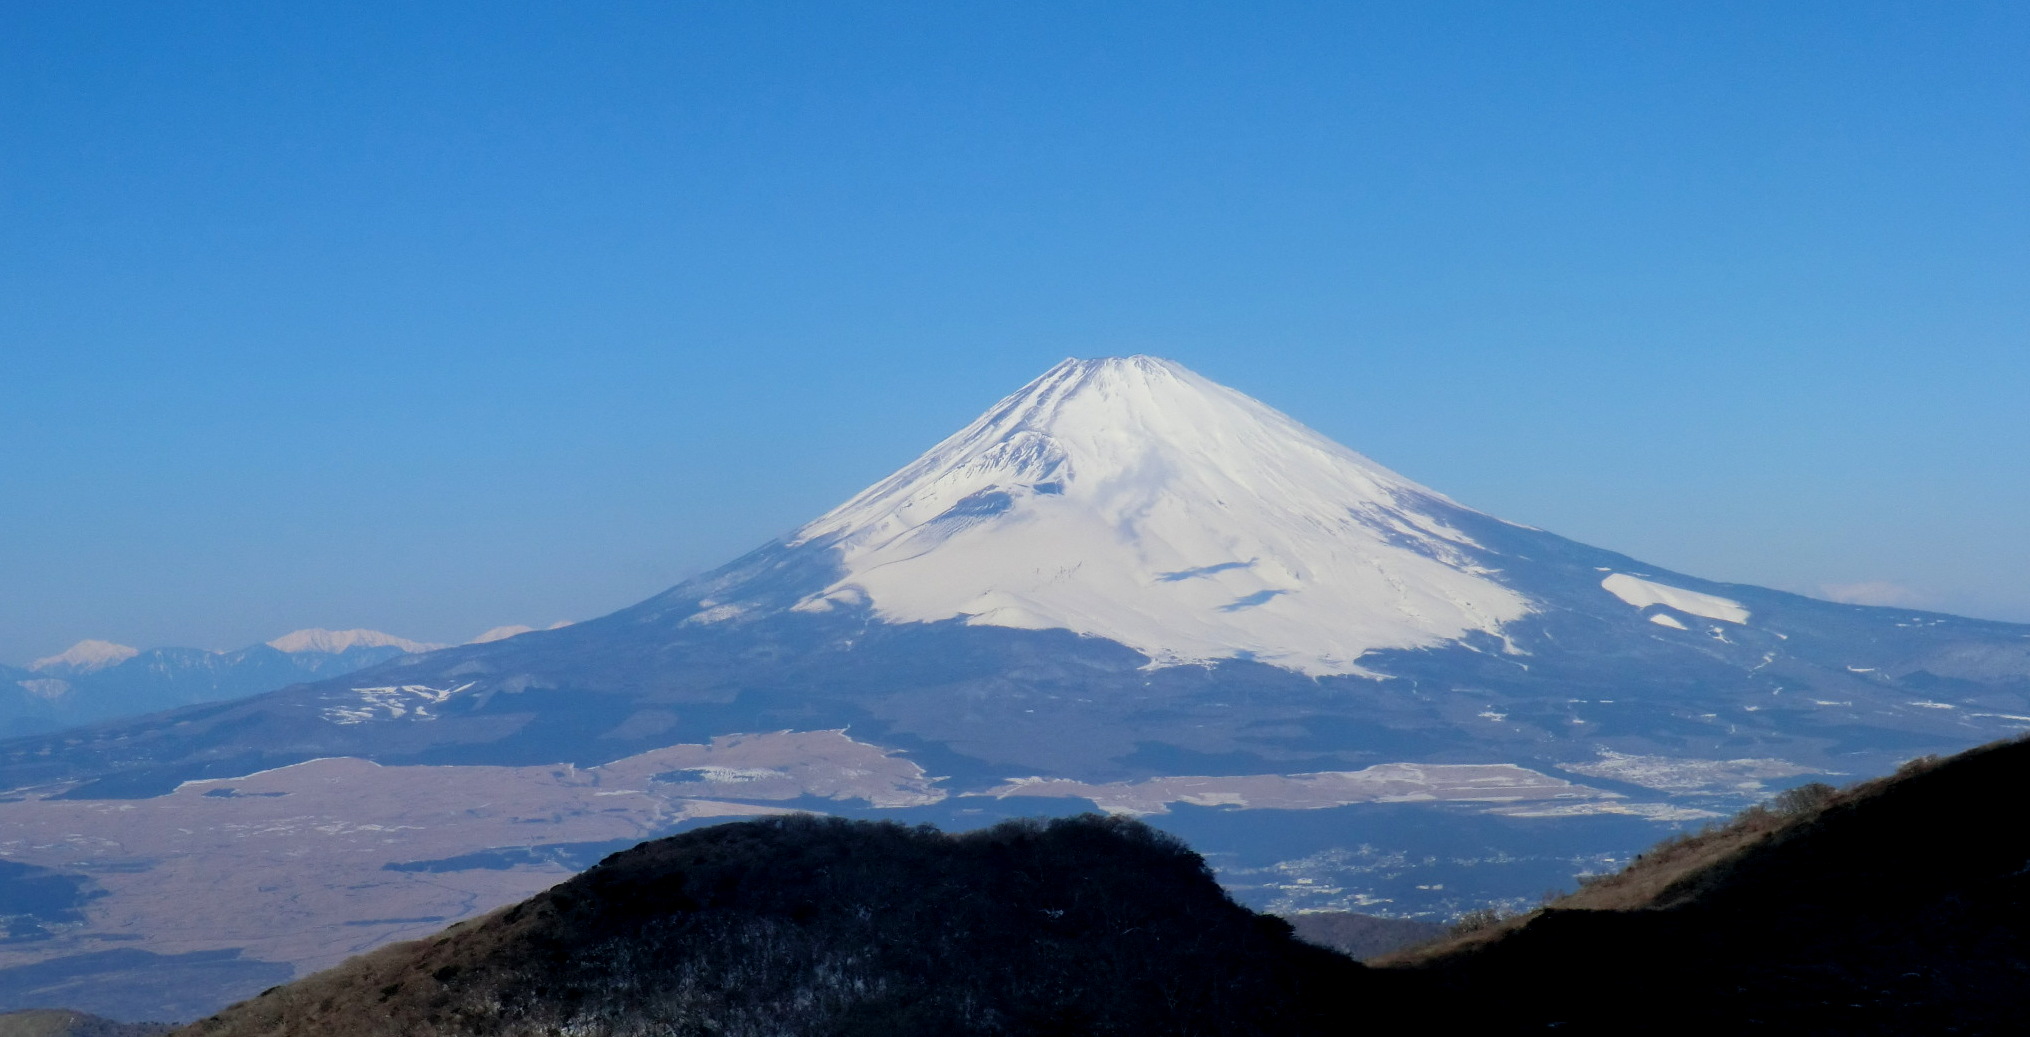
(1642, 594)
(1134, 500)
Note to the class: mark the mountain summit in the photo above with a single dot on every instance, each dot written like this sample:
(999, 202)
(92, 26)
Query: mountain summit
(1134, 500)
(85, 657)
(333, 642)
(98, 680)
(1123, 587)
(1021, 601)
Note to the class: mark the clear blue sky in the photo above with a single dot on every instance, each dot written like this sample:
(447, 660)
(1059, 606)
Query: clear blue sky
(430, 317)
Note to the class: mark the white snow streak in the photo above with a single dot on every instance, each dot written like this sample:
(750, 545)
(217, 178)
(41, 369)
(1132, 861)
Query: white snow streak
(1642, 594)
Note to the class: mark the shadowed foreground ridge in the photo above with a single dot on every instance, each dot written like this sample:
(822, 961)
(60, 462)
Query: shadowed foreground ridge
(1899, 906)
(802, 925)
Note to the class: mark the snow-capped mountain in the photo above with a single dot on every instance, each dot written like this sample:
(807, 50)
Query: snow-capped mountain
(1133, 500)
(492, 634)
(98, 680)
(502, 633)
(1124, 567)
(84, 657)
(1124, 561)
(1123, 587)
(334, 642)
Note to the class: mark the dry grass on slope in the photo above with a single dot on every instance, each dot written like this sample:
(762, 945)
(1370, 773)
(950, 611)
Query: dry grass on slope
(1897, 906)
(1674, 871)
(325, 1003)
(62, 1022)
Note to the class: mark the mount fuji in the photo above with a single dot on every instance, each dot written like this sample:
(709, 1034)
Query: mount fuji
(1123, 587)
(1133, 500)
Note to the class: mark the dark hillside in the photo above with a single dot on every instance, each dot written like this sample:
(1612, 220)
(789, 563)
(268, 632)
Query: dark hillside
(1362, 936)
(1901, 906)
(805, 925)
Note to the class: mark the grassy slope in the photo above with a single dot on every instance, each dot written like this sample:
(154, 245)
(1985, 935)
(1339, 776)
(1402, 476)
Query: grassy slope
(62, 1022)
(1898, 906)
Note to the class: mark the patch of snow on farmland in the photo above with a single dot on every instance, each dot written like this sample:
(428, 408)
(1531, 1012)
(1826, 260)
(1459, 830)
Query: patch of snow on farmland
(726, 775)
(1380, 783)
(1681, 776)
(1659, 812)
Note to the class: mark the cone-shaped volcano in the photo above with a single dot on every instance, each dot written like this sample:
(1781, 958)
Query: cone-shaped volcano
(1395, 699)
(1134, 500)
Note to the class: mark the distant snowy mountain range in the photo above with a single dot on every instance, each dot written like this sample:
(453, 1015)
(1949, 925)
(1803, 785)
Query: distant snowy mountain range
(99, 680)
(1123, 588)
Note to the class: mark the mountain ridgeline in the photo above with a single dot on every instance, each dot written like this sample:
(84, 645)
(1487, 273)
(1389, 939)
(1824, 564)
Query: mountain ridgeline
(803, 925)
(1898, 907)
(1125, 568)
(98, 680)
(1124, 588)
